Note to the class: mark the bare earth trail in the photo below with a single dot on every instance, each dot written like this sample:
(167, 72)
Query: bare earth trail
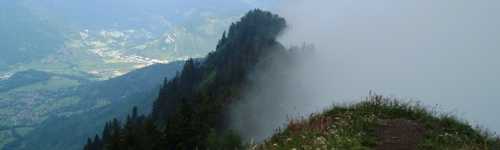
(399, 134)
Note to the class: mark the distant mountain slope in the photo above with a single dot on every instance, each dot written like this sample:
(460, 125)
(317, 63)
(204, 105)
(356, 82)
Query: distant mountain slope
(24, 36)
(30, 77)
(96, 102)
(382, 124)
(23, 78)
(133, 82)
(28, 97)
(109, 38)
(125, 14)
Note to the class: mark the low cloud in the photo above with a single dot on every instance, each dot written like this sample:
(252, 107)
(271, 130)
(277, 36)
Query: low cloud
(442, 53)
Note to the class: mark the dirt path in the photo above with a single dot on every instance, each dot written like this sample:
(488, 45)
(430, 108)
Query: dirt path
(399, 134)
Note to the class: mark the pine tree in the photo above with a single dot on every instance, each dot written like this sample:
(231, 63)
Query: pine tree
(88, 146)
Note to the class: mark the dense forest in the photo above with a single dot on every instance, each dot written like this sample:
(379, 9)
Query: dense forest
(191, 111)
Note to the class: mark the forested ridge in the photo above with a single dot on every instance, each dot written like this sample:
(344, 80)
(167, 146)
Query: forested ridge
(191, 109)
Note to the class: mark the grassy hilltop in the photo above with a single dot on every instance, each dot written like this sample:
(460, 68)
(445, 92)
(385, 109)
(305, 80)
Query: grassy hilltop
(383, 124)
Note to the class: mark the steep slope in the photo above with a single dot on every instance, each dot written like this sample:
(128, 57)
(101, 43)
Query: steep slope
(65, 128)
(383, 124)
(190, 112)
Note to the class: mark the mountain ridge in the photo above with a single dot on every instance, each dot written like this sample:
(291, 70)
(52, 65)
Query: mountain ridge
(191, 110)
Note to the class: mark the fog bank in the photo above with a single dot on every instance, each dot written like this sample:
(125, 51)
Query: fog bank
(443, 53)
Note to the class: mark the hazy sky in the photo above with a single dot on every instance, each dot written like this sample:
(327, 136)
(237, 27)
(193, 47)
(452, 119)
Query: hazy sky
(444, 53)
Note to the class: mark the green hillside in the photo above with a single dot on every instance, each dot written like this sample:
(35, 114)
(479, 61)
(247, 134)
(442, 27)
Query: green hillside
(383, 124)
